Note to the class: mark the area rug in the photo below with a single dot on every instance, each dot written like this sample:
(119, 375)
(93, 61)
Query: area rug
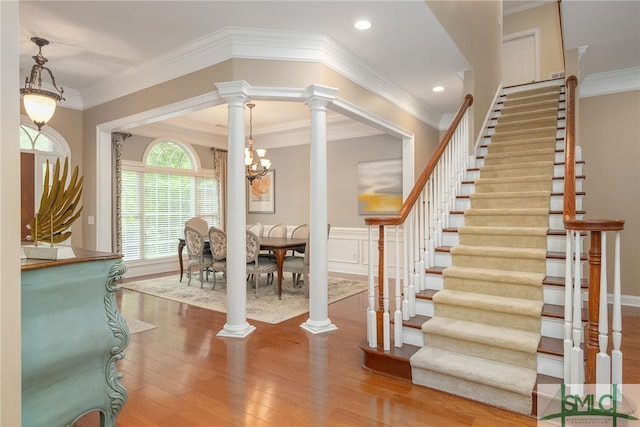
(137, 325)
(266, 307)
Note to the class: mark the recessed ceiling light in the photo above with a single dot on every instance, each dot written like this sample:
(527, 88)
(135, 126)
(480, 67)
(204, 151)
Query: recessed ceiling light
(438, 89)
(362, 25)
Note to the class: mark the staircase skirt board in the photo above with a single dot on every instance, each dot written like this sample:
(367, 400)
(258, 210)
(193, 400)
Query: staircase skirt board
(482, 341)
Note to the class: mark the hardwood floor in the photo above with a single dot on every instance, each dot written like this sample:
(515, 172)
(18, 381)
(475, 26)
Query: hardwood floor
(182, 374)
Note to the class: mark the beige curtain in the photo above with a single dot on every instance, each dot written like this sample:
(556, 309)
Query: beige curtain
(117, 138)
(220, 170)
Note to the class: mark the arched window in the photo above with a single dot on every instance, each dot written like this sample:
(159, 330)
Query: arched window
(160, 195)
(36, 148)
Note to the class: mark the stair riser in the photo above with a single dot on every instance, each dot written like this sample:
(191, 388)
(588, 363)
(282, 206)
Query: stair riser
(550, 327)
(499, 116)
(555, 243)
(551, 294)
(557, 203)
(557, 186)
(558, 172)
(558, 158)
(484, 149)
(456, 220)
(554, 267)
(499, 127)
(519, 135)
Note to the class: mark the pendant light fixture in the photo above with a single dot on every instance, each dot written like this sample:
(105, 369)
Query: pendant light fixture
(40, 104)
(257, 166)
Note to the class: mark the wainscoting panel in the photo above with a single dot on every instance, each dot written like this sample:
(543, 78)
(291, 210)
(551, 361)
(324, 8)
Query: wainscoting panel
(348, 253)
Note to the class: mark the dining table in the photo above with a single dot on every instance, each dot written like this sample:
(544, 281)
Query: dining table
(277, 245)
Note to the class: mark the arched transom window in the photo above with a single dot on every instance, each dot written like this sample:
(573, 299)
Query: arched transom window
(160, 195)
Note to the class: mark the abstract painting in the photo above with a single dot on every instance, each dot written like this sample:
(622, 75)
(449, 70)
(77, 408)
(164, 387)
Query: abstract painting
(380, 187)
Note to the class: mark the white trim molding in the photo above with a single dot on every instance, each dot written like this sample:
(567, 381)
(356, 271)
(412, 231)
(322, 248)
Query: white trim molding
(610, 82)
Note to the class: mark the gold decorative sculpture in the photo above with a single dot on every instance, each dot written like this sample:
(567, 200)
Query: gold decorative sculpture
(58, 206)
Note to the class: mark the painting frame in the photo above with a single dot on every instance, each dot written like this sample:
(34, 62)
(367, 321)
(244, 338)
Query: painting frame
(261, 194)
(380, 187)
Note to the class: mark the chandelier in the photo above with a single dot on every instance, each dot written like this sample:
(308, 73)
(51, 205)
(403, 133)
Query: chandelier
(40, 104)
(257, 166)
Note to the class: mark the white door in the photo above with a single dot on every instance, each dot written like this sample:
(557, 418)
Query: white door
(520, 64)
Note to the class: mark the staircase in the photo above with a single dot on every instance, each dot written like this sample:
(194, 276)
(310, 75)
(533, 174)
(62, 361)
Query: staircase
(488, 322)
(483, 338)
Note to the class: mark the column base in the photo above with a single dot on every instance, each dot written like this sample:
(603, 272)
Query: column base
(241, 331)
(318, 327)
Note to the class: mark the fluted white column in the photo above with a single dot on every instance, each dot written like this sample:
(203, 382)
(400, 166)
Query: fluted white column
(317, 98)
(235, 93)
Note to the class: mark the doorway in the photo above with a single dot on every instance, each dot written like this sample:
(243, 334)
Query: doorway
(521, 63)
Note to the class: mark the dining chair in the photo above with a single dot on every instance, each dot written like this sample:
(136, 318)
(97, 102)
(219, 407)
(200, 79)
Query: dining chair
(257, 228)
(300, 232)
(299, 267)
(199, 224)
(196, 255)
(218, 247)
(278, 230)
(255, 264)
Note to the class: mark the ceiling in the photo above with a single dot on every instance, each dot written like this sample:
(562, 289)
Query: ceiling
(101, 50)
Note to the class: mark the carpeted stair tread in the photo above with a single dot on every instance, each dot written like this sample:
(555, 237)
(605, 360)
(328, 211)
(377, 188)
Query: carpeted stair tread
(523, 144)
(523, 169)
(542, 112)
(508, 212)
(504, 231)
(539, 155)
(513, 183)
(509, 194)
(515, 109)
(518, 306)
(524, 134)
(490, 335)
(475, 369)
(533, 93)
(492, 251)
(514, 179)
(494, 275)
(527, 124)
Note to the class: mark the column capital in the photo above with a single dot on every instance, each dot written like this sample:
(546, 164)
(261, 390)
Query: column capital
(319, 95)
(235, 93)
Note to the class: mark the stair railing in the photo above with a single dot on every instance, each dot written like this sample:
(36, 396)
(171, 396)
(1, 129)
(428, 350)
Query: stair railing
(422, 217)
(601, 368)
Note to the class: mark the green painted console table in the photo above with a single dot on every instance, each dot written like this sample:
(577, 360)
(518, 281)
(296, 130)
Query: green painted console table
(72, 337)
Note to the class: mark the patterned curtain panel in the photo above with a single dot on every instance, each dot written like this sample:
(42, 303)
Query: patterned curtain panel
(117, 138)
(220, 170)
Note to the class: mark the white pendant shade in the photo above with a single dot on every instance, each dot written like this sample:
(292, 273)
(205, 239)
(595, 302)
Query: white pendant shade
(39, 108)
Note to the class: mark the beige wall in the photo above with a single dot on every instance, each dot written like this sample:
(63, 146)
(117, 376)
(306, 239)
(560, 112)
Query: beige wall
(256, 73)
(292, 180)
(476, 28)
(610, 140)
(546, 20)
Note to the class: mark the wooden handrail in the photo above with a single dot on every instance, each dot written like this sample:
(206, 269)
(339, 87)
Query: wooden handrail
(426, 173)
(569, 208)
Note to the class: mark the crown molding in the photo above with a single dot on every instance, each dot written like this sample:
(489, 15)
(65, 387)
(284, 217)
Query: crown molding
(610, 82)
(252, 43)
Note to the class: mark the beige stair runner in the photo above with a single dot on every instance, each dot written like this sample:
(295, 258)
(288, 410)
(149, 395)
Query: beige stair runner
(482, 340)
